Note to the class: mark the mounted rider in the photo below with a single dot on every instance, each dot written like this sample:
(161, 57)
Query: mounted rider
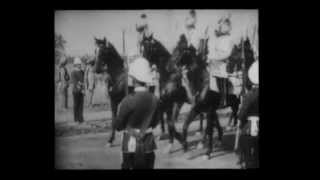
(220, 46)
(144, 30)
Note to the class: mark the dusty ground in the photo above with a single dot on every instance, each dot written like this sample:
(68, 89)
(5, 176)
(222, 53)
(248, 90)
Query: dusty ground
(82, 147)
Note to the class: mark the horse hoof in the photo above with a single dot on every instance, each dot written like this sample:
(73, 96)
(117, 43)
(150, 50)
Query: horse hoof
(200, 146)
(108, 145)
(167, 150)
(206, 157)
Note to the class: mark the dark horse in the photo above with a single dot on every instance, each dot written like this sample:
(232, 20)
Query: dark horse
(172, 93)
(208, 101)
(202, 100)
(108, 56)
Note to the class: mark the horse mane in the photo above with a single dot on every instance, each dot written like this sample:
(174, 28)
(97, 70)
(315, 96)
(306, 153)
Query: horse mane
(163, 50)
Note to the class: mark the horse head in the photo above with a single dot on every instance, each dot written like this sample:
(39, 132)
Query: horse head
(106, 56)
(184, 55)
(150, 48)
(156, 53)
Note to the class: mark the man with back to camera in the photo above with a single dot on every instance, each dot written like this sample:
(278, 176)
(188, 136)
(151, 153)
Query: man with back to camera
(137, 118)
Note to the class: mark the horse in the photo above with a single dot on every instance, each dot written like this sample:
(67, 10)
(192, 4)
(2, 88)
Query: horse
(210, 101)
(172, 93)
(198, 80)
(107, 56)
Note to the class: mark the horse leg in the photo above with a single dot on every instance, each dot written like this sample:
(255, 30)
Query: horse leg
(171, 114)
(163, 130)
(209, 131)
(204, 135)
(218, 126)
(201, 123)
(235, 109)
(161, 113)
(230, 102)
(114, 112)
(191, 116)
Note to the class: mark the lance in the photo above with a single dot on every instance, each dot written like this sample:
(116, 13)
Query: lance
(125, 58)
(242, 92)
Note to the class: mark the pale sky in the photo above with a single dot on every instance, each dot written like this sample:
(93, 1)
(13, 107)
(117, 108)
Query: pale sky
(79, 27)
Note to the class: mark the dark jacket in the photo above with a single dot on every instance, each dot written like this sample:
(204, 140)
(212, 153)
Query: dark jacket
(77, 80)
(133, 112)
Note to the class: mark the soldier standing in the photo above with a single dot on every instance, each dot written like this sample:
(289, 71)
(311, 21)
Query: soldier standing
(77, 79)
(137, 118)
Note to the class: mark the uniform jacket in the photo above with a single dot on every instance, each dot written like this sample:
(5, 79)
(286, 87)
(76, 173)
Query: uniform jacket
(77, 80)
(133, 112)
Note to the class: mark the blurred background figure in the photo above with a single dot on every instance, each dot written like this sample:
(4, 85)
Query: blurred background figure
(63, 83)
(78, 90)
(90, 81)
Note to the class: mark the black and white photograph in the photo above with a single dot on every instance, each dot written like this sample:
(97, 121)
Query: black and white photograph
(156, 89)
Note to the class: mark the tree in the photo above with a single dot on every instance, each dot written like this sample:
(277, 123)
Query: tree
(59, 47)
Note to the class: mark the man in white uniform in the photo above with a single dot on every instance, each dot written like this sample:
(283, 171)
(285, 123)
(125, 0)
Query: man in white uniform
(220, 46)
